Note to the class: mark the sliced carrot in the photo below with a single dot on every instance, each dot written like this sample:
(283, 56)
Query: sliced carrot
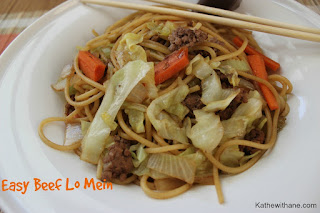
(91, 66)
(259, 69)
(251, 51)
(171, 65)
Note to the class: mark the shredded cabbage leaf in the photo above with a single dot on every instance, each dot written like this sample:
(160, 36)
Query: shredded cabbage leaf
(85, 126)
(207, 133)
(224, 103)
(138, 154)
(239, 65)
(162, 122)
(199, 67)
(173, 166)
(214, 96)
(234, 127)
(119, 87)
(204, 166)
(252, 109)
(231, 156)
(129, 50)
(136, 119)
(163, 30)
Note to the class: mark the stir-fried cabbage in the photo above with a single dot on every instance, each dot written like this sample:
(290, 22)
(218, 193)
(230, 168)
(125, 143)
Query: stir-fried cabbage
(231, 74)
(138, 94)
(231, 156)
(224, 103)
(252, 109)
(163, 30)
(119, 87)
(214, 96)
(136, 119)
(173, 166)
(162, 122)
(236, 64)
(199, 67)
(204, 166)
(138, 154)
(73, 133)
(129, 50)
(84, 126)
(207, 133)
(234, 127)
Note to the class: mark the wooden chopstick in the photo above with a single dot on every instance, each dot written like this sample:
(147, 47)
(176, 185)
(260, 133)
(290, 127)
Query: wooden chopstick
(209, 18)
(235, 15)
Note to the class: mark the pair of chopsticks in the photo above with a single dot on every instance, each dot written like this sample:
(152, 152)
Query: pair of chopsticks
(225, 17)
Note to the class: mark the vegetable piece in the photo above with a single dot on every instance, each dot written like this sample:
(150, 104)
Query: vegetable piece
(119, 87)
(138, 154)
(138, 94)
(174, 166)
(251, 51)
(231, 156)
(199, 67)
(162, 122)
(91, 66)
(171, 65)
(163, 30)
(207, 133)
(136, 119)
(85, 126)
(212, 92)
(221, 104)
(252, 110)
(60, 85)
(73, 133)
(258, 67)
(239, 65)
(135, 106)
(234, 127)
(204, 166)
(129, 50)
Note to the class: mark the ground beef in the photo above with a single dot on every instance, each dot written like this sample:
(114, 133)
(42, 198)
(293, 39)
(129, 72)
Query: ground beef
(193, 101)
(224, 80)
(255, 135)
(118, 161)
(68, 109)
(185, 37)
(242, 97)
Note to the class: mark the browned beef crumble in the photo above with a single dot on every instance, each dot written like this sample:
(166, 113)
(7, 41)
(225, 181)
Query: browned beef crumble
(68, 109)
(224, 80)
(242, 97)
(117, 164)
(185, 37)
(255, 135)
(193, 101)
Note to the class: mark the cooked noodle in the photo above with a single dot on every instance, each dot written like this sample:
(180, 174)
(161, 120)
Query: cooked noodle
(87, 98)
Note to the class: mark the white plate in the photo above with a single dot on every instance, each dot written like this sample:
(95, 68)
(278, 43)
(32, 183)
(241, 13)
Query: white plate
(290, 173)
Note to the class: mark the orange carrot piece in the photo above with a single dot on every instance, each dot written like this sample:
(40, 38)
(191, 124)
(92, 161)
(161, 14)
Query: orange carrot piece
(259, 69)
(91, 66)
(251, 51)
(171, 65)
